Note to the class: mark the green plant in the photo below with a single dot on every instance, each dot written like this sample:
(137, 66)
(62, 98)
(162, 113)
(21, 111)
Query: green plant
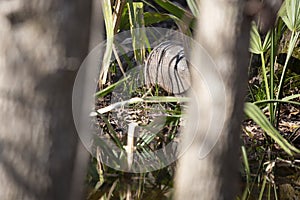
(268, 47)
(264, 110)
(134, 18)
(108, 18)
(290, 14)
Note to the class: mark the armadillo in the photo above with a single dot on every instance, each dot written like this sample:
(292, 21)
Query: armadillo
(167, 67)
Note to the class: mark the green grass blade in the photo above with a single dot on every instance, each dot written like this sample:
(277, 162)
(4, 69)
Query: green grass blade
(256, 44)
(267, 42)
(113, 134)
(290, 14)
(264, 71)
(108, 19)
(277, 101)
(110, 88)
(192, 4)
(292, 44)
(260, 119)
(246, 163)
(106, 149)
(288, 98)
(255, 40)
(272, 74)
(175, 10)
(149, 18)
(153, 18)
(138, 34)
(262, 190)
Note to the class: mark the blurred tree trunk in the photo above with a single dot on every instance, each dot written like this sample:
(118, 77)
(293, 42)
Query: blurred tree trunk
(223, 30)
(42, 44)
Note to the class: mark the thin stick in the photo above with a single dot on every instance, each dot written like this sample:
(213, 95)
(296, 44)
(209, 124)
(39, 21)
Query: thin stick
(130, 143)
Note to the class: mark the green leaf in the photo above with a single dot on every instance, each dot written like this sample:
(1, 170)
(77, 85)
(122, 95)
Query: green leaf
(112, 133)
(153, 18)
(110, 88)
(255, 40)
(138, 33)
(288, 98)
(246, 164)
(267, 42)
(192, 4)
(124, 21)
(256, 45)
(278, 101)
(177, 11)
(260, 119)
(290, 14)
(292, 45)
(108, 19)
(149, 18)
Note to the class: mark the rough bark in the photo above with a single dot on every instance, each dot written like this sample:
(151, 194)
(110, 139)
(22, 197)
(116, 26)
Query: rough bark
(223, 31)
(42, 45)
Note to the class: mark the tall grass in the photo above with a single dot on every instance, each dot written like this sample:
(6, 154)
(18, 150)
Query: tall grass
(265, 112)
(267, 47)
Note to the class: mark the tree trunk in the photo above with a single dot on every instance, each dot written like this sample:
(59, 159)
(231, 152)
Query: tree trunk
(42, 44)
(209, 167)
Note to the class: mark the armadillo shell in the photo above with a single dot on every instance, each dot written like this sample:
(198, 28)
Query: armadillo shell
(166, 66)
